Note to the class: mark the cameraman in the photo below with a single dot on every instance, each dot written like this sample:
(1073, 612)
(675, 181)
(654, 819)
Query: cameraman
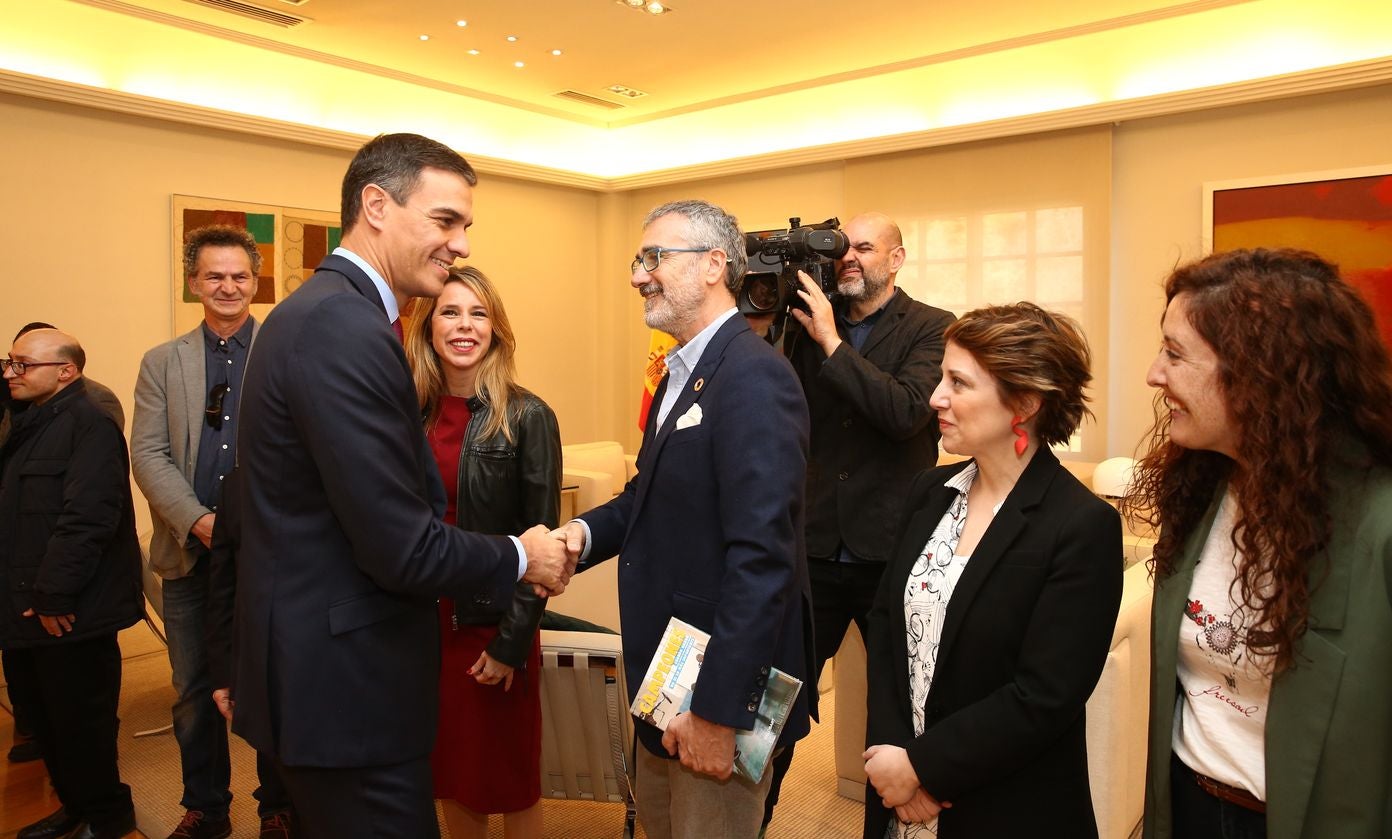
(868, 364)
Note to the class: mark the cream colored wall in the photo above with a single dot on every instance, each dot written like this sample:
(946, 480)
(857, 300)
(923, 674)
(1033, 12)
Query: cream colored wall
(87, 246)
(1159, 168)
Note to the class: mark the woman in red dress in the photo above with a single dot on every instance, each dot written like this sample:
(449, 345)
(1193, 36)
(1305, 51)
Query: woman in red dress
(499, 453)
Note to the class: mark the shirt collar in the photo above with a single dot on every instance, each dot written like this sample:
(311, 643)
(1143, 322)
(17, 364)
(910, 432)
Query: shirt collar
(689, 354)
(962, 481)
(842, 313)
(242, 336)
(388, 299)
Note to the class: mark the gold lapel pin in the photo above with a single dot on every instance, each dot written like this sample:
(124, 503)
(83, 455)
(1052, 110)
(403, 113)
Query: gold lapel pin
(700, 383)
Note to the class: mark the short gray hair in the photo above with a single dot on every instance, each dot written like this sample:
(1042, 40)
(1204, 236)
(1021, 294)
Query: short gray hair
(711, 227)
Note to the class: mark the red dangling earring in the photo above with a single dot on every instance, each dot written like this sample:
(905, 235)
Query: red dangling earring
(1021, 435)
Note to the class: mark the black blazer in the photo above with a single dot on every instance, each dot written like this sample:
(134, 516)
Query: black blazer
(873, 430)
(1027, 633)
(710, 531)
(343, 551)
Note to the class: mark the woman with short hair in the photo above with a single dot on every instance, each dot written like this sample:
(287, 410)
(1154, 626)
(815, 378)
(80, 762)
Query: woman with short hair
(995, 613)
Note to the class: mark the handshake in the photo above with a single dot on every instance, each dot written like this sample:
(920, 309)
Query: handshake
(552, 556)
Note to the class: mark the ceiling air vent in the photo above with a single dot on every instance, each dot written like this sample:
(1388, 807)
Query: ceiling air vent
(587, 99)
(281, 19)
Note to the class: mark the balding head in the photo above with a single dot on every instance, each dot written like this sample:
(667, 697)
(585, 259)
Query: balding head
(865, 275)
(53, 360)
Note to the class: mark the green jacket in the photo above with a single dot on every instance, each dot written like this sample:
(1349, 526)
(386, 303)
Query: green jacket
(1329, 722)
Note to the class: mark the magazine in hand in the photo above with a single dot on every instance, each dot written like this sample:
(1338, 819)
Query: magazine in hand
(666, 692)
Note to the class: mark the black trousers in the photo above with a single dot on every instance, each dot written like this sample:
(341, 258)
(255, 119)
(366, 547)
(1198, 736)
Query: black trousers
(373, 801)
(71, 690)
(842, 592)
(1195, 813)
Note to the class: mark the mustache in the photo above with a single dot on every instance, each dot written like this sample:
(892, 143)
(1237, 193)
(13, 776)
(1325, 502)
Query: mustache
(647, 289)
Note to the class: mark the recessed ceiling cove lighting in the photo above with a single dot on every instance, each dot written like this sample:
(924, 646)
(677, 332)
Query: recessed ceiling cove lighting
(425, 37)
(512, 39)
(519, 64)
(461, 23)
(473, 52)
(555, 52)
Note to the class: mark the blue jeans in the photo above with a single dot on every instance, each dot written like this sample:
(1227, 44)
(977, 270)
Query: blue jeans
(199, 728)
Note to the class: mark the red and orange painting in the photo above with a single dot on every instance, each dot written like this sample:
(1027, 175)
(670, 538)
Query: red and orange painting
(1347, 220)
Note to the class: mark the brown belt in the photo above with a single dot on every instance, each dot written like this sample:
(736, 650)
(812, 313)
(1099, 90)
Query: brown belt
(1232, 795)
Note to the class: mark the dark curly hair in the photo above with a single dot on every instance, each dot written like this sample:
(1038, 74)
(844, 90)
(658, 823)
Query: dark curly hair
(1302, 371)
(1031, 352)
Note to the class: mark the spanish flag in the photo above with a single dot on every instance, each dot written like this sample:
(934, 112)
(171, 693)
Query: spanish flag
(659, 344)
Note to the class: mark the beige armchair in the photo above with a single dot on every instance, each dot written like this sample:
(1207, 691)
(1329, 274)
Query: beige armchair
(598, 471)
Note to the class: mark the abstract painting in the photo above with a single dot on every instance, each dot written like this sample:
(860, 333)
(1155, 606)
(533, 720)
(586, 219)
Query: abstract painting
(1345, 217)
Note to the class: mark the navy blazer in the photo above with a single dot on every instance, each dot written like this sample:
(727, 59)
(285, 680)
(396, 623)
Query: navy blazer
(711, 531)
(1026, 635)
(343, 551)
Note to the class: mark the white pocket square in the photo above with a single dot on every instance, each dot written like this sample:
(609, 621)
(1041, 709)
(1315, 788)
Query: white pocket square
(690, 419)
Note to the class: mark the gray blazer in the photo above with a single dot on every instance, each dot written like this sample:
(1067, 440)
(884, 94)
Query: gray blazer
(170, 396)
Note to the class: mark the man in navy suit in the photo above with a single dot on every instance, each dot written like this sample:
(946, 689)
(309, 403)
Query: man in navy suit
(711, 529)
(343, 550)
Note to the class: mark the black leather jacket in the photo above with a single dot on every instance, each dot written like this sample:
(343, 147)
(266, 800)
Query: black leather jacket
(505, 488)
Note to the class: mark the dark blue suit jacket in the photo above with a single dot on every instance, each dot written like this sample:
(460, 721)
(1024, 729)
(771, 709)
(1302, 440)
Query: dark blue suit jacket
(343, 551)
(711, 531)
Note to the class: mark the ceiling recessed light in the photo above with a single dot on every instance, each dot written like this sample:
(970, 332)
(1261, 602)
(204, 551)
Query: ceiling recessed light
(425, 37)
(656, 8)
(637, 4)
(473, 52)
(461, 23)
(512, 39)
(519, 64)
(555, 52)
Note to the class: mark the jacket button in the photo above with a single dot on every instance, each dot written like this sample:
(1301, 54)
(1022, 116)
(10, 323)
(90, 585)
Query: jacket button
(846, 423)
(753, 707)
(843, 476)
(764, 670)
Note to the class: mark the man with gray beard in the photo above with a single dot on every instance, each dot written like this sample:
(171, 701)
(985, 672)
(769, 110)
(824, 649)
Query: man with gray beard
(868, 363)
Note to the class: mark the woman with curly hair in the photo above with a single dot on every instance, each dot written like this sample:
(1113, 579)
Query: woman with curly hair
(499, 454)
(1270, 478)
(993, 619)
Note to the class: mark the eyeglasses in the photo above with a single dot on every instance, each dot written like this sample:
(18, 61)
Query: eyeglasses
(213, 413)
(650, 258)
(21, 367)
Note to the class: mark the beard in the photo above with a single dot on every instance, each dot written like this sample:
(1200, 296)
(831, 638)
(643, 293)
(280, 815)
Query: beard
(673, 306)
(867, 286)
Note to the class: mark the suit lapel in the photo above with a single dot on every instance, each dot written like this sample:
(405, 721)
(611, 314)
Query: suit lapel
(193, 371)
(1000, 534)
(888, 322)
(360, 281)
(921, 525)
(654, 438)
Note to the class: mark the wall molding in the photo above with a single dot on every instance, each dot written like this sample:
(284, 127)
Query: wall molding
(1323, 80)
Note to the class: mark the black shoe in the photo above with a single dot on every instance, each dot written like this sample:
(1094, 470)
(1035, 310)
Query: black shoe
(199, 825)
(55, 824)
(24, 750)
(113, 830)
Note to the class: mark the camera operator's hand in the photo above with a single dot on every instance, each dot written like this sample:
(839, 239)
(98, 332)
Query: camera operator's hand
(821, 324)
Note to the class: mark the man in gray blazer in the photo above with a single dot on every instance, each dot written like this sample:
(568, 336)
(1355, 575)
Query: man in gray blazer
(183, 443)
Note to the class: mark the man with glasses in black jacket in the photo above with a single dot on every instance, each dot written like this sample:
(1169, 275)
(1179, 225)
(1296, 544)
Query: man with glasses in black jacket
(183, 444)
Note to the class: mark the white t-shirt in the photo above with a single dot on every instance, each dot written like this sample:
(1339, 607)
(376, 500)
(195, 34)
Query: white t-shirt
(1220, 714)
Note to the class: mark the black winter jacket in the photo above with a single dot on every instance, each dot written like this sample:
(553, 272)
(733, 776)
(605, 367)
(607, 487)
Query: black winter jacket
(506, 488)
(67, 523)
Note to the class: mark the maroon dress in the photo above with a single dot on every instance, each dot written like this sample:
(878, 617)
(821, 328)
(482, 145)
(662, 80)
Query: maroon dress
(488, 746)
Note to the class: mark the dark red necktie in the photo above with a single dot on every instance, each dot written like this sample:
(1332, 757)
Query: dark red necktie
(400, 333)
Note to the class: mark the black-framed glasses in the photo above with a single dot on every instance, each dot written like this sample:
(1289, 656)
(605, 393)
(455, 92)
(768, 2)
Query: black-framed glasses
(20, 367)
(650, 258)
(213, 413)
